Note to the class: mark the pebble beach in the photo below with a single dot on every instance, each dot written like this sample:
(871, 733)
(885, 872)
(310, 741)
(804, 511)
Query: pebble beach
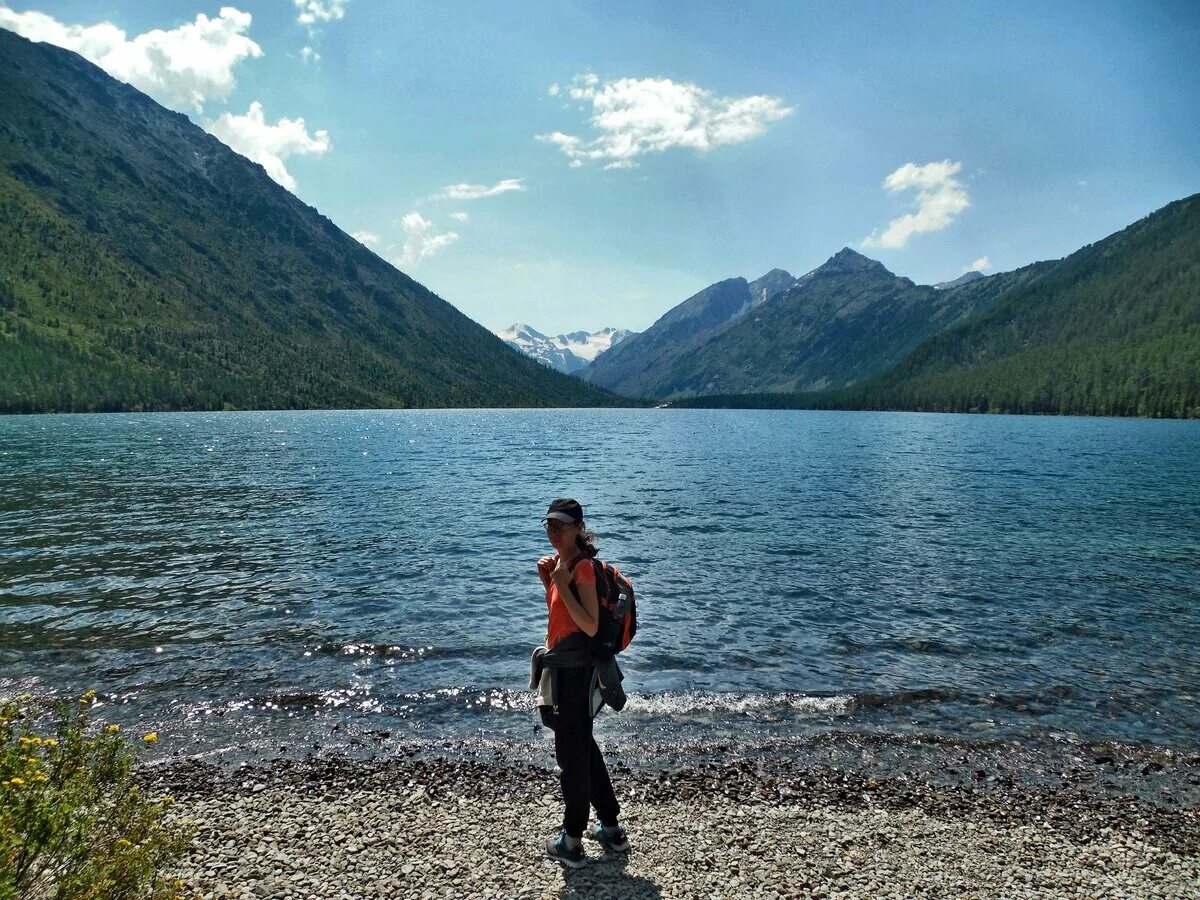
(459, 828)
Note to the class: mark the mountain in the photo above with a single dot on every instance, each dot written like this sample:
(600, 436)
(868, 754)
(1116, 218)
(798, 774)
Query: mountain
(1112, 329)
(569, 353)
(145, 265)
(846, 320)
(774, 282)
(966, 278)
(715, 306)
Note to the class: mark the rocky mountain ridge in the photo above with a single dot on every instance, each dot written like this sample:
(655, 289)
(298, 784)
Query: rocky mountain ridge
(845, 320)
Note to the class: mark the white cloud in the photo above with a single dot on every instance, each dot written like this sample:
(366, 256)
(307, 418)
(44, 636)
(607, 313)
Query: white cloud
(183, 68)
(366, 238)
(308, 54)
(940, 197)
(636, 116)
(475, 191)
(314, 11)
(554, 89)
(460, 217)
(979, 265)
(420, 240)
(269, 145)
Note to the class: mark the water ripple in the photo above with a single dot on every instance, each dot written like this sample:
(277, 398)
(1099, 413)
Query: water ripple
(307, 579)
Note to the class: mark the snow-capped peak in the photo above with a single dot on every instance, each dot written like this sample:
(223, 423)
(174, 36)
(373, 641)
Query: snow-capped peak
(569, 352)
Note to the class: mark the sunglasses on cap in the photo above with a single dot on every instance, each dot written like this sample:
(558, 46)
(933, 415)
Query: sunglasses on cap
(554, 524)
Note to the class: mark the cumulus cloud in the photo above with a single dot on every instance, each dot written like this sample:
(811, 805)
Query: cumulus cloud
(979, 265)
(313, 11)
(420, 239)
(308, 54)
(269, 145)
(182, 68)
(636, 116)
(476, 191)
(366, 238)
(460, 217)
(940, 198)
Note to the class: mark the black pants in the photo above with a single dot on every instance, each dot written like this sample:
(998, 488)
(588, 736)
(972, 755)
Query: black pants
(584, 777)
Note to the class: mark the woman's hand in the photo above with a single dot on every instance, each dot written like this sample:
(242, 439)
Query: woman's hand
(544, 567)
(562, 572)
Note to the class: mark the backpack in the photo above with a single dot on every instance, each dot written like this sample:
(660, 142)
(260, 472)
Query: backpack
(617, 606)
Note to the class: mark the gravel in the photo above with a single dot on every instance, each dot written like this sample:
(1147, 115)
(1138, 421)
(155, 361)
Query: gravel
(333, 828)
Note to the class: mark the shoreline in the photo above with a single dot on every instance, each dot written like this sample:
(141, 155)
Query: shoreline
(404, 827)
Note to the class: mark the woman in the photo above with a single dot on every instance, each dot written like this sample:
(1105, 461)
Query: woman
(573, 608)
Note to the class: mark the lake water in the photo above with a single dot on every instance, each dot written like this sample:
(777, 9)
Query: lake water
(257, 583)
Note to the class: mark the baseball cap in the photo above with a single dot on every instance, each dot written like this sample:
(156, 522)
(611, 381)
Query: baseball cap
(565, 510)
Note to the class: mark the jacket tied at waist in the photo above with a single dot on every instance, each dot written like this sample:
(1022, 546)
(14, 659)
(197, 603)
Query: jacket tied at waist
(574, 652)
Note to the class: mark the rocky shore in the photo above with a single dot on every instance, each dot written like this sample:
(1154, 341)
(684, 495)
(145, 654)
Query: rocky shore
(409, 827)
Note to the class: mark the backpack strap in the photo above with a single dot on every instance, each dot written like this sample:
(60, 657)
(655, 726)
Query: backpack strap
(575, 560)
(602, 590)
(597, 566)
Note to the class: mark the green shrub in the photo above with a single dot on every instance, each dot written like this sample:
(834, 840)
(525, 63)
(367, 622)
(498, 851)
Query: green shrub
(73, 822)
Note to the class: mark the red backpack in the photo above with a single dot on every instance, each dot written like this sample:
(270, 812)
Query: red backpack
(618, 609)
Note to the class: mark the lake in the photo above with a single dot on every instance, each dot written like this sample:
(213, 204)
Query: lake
(300, 582)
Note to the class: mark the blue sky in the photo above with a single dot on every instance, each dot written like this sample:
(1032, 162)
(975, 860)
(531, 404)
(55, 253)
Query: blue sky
(708, 140)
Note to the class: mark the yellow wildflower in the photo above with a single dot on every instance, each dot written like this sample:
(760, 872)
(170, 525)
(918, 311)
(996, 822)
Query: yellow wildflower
(90, 695)
(17, 781)
(151, 738)
(50, 742)
(167, 801)
(121, 842)
(25, 741)
(113, 729)
(40, 776)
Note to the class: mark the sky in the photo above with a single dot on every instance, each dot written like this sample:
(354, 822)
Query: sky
(574, 165)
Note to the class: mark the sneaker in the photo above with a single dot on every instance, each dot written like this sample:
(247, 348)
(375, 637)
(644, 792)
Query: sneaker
(610, 840)
(558, 849)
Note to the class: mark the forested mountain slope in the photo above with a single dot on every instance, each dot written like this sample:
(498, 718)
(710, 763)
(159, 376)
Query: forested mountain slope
(144, 265)
(1112, 329)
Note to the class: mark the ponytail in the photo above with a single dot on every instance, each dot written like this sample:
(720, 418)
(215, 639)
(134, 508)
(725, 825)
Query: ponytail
(586, 541)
